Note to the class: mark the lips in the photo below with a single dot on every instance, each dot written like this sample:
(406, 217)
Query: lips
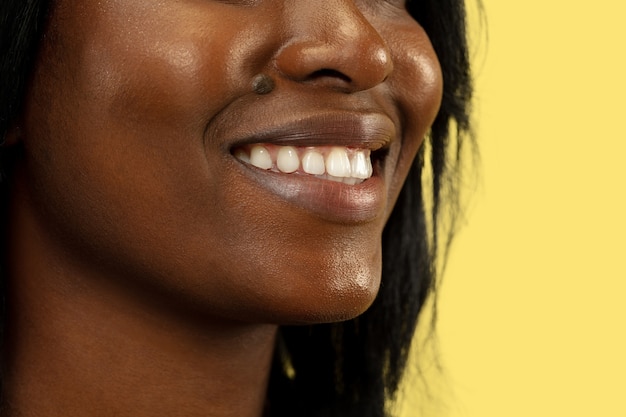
(327, 164)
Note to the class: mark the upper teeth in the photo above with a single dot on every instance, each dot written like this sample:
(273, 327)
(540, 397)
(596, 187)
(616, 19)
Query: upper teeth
(338, 163)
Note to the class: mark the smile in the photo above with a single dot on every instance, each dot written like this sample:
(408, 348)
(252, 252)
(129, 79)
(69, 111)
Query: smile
(329, 164)
(334, 163)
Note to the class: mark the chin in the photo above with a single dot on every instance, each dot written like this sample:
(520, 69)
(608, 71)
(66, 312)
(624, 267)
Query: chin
(329, 295)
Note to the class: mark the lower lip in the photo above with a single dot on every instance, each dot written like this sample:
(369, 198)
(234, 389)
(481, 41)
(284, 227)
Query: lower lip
(329, 200)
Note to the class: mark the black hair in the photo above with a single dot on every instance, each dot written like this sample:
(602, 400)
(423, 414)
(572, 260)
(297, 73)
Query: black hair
(21, 24)
(352, 368)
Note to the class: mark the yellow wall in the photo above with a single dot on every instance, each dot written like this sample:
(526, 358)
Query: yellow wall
(533, 306)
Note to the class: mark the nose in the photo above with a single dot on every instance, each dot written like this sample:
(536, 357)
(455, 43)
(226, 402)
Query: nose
(332, 44)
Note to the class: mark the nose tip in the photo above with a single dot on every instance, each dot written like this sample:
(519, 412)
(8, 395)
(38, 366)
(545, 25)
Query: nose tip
(348, 55)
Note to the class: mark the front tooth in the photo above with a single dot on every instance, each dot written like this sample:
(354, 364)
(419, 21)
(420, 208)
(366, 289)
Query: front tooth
(338, 163)
(313, 163)
(287, 160)
(360, 166)
(260, 157)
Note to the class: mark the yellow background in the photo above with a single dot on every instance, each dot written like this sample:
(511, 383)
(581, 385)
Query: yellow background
(532, 310)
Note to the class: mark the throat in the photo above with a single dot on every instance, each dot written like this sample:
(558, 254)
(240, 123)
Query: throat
(96, 362)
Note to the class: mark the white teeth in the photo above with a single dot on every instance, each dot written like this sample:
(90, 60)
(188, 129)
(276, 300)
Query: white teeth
(361, 165)
(313, 163)
(287, 160)
(338, 163)
(260, 157)
(348, 165)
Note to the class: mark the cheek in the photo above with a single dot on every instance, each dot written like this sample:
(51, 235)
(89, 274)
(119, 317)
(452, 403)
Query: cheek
(116, 149)
(417, 87)
(417, 75)
(127, 101)
(174, 78)
(419, 72)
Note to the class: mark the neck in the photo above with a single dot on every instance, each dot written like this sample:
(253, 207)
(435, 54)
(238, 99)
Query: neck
(75, 347)
(76, 357)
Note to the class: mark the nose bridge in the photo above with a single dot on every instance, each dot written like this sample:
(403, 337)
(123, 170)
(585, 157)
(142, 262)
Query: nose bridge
(333, 43)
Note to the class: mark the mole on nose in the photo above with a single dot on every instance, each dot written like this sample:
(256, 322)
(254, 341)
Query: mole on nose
(262, 84)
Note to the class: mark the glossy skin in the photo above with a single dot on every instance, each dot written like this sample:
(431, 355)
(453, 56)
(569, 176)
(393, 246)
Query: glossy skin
(128, 193)
(127, 145)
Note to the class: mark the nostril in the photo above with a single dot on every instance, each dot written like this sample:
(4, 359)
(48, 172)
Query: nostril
(330, 73)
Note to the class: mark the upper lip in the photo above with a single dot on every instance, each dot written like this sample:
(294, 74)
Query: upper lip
(362, 130)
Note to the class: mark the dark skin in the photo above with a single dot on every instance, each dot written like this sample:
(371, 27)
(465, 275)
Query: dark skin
(148, 268)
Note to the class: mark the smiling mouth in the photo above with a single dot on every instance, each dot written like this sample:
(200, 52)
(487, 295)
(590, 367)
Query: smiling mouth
(329, 164)
(347, 165)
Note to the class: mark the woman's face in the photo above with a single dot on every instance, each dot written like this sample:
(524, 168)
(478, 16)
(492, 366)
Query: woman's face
(142, 118)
